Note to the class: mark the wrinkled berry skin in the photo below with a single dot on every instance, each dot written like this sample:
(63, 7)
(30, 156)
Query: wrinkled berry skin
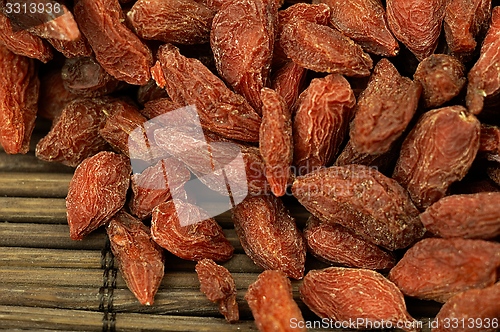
(140, 260)
(265, 227)
(271, 300)
(96, 192)
(218, 285)
(436, 269)
(364, 200)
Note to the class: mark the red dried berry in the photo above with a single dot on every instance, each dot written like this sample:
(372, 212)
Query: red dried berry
(172, 21)
(271, 300)
(474, 216)
(119, 51)
(316, 13)
(365, 22)
(363, 200)
(437, 152)
(339, 245)
(384, 109)
(320, 123)
(417, 24)
(463, 22)
(96, 192)
(436, 269)
(19, 88)
(288, 82)
(265, 228)
(188, 232)
(242, 39)
(75, 135)
(23, 43)
(276, 141)
(218, 285)
(189, 82)
(442, 78)
(323, 49)
(358, 295)
(475, 310)
(140, 260)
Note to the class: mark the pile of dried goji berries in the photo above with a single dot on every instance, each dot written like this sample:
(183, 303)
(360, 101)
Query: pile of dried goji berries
(258, 99)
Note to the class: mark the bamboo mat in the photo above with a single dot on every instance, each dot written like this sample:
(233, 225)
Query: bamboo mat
(49, 282)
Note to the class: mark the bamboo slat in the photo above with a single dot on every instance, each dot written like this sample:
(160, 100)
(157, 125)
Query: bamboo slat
(78, 320)
(81, 298)
(50, 236)
(39, 210)
(177, 275)
(20, 275)
(45, 318)
(57, 236)
(30, 164)
(43, 257)
(34, 184)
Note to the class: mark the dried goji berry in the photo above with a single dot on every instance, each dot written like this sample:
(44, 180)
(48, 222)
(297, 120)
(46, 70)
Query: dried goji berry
(320, 123)
(364, 200)
(323, 49)
(271, 300)
(438, 151)
(463, 22)
(96, 192)
(359, 295)
(436, 269)
(19, 88)
(265, 227)
(337, 244)
(23, 43)
(365, 22)
(384, 109)
(119, 51)
(442, 78)
(474, 216)
(288, 82)
(475, 310)
(218, 285)
(417, 24)
(242, 39)
(276, 141)
(140, 260)
(188, 232)
(173, 21)
(189, 82)
(75, 134)
(316, 13)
